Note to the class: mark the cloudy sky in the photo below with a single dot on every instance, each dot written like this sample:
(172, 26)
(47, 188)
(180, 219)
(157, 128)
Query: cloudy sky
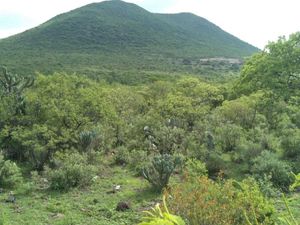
(254, 21)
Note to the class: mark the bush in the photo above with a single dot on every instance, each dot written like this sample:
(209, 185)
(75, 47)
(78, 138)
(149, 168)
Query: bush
(10, 173)
(204, 201)
(71, 170)
(138, 160)
(195, 168)
(160, 170)
(269, 164)
(290, 143)
(215, 164)
(122, 156)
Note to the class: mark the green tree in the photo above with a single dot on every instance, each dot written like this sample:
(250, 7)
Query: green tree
(276, 68)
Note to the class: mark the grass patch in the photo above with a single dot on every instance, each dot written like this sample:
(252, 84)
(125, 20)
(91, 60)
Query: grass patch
(94, 205)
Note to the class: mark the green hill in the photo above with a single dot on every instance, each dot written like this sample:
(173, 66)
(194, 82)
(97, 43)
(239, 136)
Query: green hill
(117, 35)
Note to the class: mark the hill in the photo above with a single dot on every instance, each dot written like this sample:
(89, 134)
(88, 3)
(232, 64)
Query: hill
(118, 35)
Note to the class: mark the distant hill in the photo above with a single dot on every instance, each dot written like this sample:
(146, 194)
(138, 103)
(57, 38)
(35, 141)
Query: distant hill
(118, 35)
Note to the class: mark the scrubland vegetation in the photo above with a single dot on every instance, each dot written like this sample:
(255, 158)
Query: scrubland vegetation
(73, 148)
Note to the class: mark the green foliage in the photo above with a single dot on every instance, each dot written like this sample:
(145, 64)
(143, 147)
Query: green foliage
(160, 170)
(112, 39)
(10, 174)
(71, 170)
(86, 139)
(204, 201)
(274, 69)
(228, 136)
(122, 156)
(14, 84)
(296, 183)
(158, 217)
(58, 109)
(215, 164)
(195, 168)
(290, 143)
(269, 164)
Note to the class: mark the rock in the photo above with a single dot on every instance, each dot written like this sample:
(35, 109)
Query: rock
(95, 178)
(57, 215)
(122, 206)
(115, 189)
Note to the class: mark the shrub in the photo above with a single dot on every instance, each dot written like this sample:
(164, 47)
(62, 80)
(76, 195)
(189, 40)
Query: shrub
(122, 156)
(160, 170)
(10, 173)
(269, 164)
(204, 201)
(138, 160)
(290, 143)
(214, 164)
(195, 168)
(70, 171)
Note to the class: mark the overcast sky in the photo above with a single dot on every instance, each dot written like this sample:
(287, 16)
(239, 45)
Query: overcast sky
(254, 21)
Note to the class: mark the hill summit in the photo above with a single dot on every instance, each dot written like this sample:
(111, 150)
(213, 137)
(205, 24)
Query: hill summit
(117, 34)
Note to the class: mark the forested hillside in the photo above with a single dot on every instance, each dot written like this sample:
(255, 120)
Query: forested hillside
(101, 38)
(76, 150)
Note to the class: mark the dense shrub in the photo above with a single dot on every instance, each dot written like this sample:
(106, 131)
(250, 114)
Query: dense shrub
(160, 170)
(214, 164)
(10, 173)
(269, 164)
(71, 170)
(122, 156)
(228, 136)
(195, 168)
(291, 143)
(138, 160)
(207, 202)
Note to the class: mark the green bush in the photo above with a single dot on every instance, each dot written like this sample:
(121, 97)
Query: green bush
(160, 170)
(122, 156)
(195, 168)
(269, 164)
(290, 143)
(138, 160)
(10, 173)
(214, 164)
(71, 170)
(204, 201)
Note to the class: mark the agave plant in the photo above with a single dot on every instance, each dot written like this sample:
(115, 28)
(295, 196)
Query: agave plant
(157, 216)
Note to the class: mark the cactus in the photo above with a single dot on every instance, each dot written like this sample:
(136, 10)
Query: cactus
(160, 170)
(14, 84)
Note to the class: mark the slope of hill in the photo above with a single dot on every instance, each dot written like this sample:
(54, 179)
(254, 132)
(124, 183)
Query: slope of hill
(115, 34)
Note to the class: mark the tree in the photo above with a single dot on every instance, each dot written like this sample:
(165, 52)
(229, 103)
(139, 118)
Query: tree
(276, 68)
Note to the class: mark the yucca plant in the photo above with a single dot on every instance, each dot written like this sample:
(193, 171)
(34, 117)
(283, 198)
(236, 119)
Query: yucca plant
(157, 216)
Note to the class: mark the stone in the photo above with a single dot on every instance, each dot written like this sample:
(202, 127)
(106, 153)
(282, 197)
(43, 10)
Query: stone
(123, 206)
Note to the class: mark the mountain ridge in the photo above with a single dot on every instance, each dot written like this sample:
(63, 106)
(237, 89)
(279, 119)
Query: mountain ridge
(117, 29)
